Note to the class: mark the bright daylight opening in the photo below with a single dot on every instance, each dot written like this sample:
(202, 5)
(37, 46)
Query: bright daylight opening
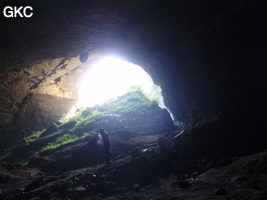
(112, 77)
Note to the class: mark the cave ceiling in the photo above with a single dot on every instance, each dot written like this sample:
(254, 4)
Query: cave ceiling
(208, 53)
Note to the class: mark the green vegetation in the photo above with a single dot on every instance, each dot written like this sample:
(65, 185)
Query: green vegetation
(73, 134)
(133, 102)
(34, 136)
(64, 139)
(94, 115)
(87, 120)
(154, 95)
(75, 116)
(135, 88)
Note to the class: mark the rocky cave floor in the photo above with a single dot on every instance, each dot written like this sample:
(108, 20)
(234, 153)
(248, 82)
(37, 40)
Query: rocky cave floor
(206, 162)
(156, 175)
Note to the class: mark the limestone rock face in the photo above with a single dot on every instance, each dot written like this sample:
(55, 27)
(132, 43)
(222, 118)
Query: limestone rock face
(39, 94)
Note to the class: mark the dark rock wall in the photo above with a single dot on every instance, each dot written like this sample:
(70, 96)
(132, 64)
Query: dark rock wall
(204, 55)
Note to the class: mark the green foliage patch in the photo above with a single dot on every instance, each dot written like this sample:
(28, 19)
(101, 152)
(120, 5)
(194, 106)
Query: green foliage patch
(154, 95)
(73, 117)
(132, 102)
(64, 139)
(87, 120)
(90, 118)
(34, 136)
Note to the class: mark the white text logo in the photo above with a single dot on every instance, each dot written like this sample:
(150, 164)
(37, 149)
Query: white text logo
(18, 12)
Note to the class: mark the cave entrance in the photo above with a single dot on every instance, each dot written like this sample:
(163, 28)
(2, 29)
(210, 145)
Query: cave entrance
(112, 77)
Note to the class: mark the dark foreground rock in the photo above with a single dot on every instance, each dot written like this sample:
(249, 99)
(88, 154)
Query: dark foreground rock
(149, 176)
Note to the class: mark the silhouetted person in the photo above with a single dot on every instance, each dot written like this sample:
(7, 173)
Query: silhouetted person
(24, 134)
(106, 144)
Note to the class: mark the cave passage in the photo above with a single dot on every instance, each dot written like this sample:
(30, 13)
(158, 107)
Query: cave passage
(112, 77)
